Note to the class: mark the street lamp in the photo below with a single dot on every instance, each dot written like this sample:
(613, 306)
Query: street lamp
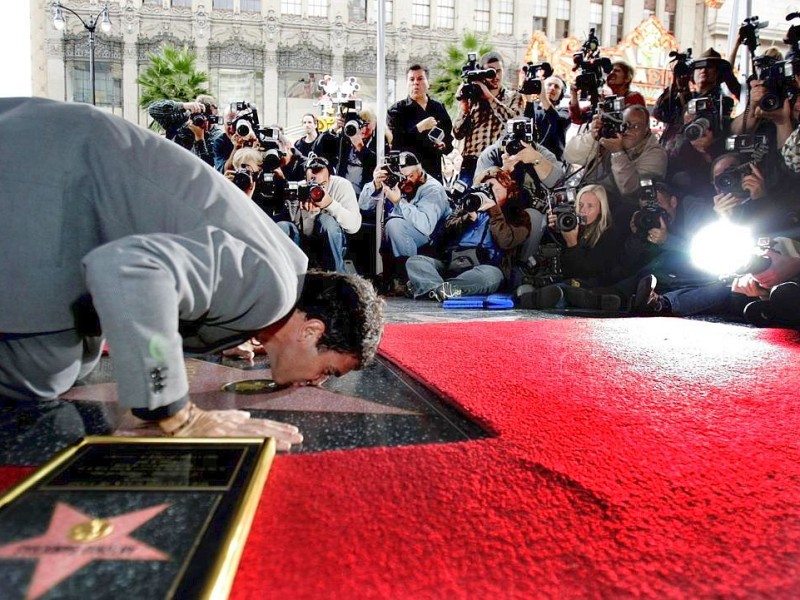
(105, 25)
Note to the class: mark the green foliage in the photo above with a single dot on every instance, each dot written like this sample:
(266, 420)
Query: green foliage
(171, 75)
(444, 86)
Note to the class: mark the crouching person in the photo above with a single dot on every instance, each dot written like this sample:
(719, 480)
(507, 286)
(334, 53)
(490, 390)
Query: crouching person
(484, 225)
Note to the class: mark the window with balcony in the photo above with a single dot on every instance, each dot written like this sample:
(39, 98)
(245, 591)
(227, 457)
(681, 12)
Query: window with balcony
(357, 9)
(250, 5)
(181, 3)
(596, 18)
(222, 4)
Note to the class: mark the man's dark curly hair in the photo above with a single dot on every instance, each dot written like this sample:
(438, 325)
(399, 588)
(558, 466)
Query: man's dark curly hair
(350, 309)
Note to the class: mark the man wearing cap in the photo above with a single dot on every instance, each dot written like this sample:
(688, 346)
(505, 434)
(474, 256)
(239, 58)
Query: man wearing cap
(329, 212)
(415, 208)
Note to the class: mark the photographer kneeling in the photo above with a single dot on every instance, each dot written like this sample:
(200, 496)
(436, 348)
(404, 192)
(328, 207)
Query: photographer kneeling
(327, 210)
(188, 124)
(482, 227)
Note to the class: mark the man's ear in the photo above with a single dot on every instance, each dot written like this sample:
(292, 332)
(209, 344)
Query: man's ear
(311, 331)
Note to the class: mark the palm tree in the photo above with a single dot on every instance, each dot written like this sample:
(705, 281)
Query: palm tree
(444, 86)
(171, 75)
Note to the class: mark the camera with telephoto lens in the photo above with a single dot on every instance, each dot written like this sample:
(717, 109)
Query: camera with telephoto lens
(471, 73)
(779, 83)
(518, 131)
(455, 192)
(562, 204)
(269, 193)
(682, 66)
(532, 84)
(650, 215)
(350, 111)
(593, 68)
(705, 116)
(245, 119)
(473, 198)
(611, 122)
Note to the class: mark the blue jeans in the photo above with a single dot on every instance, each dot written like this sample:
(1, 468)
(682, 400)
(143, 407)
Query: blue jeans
(328, 230)
(426, 274)
(403, 237)
(711, 298)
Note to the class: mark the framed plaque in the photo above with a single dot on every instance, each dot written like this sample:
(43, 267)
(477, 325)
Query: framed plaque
(133, 518)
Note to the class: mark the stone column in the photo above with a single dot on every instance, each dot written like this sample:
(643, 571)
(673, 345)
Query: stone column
(551, 21)
(605, 39)
(632, 15)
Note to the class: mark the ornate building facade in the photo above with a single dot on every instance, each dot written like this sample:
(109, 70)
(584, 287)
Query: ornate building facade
(274, 52)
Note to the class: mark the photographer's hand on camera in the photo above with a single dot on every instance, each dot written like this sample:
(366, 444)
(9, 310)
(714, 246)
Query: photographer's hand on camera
(703, 144)
(613, 145)
(749, 286)
(753, 183)
(656, 235)
(726, 204)
(392, 194)
(570, 237)
(782, 269)
(198, 130)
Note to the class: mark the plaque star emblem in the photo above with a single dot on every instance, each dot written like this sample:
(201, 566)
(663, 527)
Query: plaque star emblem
(75, 539)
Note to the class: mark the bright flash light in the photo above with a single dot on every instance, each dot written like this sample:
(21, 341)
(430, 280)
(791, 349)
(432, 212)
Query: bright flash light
(722, 247)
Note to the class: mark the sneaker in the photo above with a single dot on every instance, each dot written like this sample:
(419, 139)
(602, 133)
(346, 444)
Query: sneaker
(444, 291)
(760, 314)
(529, 297)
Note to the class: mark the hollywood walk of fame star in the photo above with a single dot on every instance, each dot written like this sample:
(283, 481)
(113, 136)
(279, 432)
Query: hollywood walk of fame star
(75, 539)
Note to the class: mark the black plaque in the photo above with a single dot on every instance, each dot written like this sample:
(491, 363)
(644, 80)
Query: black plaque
(134, 517)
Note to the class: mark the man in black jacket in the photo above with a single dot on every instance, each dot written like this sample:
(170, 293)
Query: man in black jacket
(420, 124)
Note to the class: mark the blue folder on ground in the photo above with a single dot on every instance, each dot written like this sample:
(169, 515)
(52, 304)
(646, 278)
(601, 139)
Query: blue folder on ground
(490, 302)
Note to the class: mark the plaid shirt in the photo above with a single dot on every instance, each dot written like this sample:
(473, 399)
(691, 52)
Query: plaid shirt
(485, 122)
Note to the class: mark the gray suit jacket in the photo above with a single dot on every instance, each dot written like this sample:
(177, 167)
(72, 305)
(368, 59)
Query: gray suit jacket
(90, 203)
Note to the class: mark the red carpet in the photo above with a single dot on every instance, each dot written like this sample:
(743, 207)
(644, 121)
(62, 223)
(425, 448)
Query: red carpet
(636, 457)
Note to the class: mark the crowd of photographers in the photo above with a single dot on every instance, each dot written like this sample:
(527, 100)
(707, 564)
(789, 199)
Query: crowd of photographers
(565, 197)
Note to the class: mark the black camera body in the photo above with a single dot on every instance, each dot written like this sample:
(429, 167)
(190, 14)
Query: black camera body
(754, 147)
(730, 180)
(562, 203)
(310, 191)
(705, 116)
(392, 168)
(269, 193)
(682, 66)
(649, 216)
(518, 131)
(471, 73)
(748, 32)
(242, 178)
(532, 84)
(612, 123)
(471, 199)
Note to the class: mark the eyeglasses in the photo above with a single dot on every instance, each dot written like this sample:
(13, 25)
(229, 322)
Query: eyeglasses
(634, 126)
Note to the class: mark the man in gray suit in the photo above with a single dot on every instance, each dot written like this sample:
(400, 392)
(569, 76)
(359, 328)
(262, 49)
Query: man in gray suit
(108, 231)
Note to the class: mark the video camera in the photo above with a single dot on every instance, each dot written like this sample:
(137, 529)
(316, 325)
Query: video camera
(705, 115)
(532, 84)
(471, 73)
(649, 216)
(779, 83)
(518, 131)
(612, 123)
(593, 68)
(562, 203)
(748, 32)
(682, 66)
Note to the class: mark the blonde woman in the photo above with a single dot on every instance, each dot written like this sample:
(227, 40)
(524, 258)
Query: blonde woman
(589, 251)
